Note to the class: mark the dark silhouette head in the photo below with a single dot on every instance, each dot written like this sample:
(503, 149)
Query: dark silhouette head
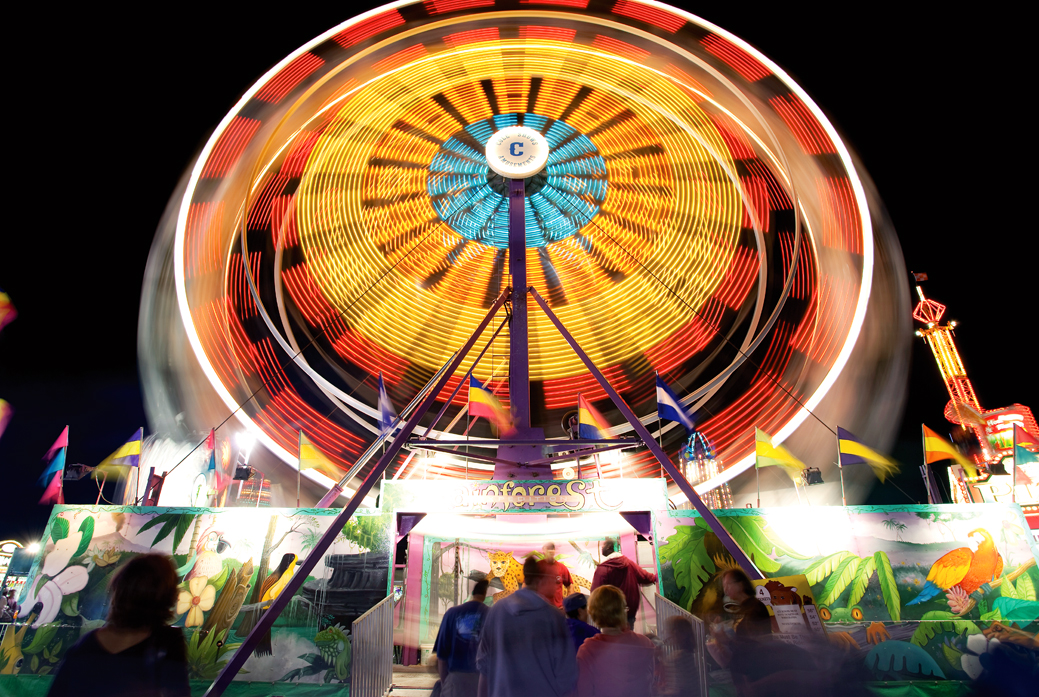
(480, 589)
(737, 585)
(143, 592)
(608, 548)
(287, 562)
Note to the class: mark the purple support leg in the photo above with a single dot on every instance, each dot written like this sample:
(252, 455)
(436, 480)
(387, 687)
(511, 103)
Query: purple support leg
(519, 351)
(730, 544)
(307, 565)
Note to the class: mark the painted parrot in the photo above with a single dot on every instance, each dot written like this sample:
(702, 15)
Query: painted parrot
(963, 568)
(207, 561)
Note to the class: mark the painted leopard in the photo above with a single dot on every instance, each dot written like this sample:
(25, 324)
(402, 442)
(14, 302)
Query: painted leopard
(505, 567)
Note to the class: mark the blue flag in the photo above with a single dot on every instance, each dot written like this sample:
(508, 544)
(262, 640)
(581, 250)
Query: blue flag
(386, 413)
(668, 406)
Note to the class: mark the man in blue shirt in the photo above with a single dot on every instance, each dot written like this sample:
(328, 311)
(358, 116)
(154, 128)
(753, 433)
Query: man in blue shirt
(457, 642)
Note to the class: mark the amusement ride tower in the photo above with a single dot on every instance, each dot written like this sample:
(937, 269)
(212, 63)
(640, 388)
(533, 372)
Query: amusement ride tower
(993, 428)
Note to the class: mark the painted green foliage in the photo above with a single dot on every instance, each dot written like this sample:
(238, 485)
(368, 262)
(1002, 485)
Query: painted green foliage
(694, 550)
(842, 569)
(207, 656)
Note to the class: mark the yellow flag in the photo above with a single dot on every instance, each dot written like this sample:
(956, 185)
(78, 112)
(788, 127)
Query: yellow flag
(768, 455)
(312, 458)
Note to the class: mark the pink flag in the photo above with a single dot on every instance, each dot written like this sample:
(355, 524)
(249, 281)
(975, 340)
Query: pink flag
(53, 493)
(211, 439)
(62, 442)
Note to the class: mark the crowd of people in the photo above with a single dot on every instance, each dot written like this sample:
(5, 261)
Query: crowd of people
(536, 642)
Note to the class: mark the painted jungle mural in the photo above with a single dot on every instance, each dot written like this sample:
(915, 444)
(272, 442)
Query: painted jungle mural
(232, 563)
(917, 591)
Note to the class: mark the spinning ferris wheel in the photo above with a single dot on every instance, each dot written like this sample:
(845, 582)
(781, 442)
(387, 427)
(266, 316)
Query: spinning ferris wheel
(697, 217)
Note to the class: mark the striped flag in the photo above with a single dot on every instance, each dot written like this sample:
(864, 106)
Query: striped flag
(482, 402)
(53, 494)
(591, 423)
(851, 451)
(668, 406)
(127, 455)
(937, 448)
(55, 470)
(768, 455)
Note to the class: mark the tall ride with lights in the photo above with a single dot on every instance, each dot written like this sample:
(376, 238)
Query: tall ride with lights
(993, 427)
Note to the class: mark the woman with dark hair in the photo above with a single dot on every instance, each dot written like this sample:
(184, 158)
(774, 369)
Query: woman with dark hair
(135, 654)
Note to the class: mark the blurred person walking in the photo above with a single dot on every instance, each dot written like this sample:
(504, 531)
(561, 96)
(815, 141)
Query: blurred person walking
(617, 570)
(457, 643)
(617, 662)
(576, 607)
(525, 647)
(557, 570)
(135, 654)
(681, 673)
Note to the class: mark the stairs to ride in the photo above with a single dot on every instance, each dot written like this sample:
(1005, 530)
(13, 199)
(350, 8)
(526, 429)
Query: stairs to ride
(413, 681)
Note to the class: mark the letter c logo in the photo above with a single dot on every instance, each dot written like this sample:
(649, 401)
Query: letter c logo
(515, 148)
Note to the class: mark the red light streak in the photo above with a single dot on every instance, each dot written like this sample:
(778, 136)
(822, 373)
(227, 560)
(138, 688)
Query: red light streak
(230, 145)
(402, 57)
(620, 48)
(735, 57)
(368, 28)
(840, 215)
(289, 77)
(803, 125)
(202, 238)
(470, 37)
(548, 33)
(650, 15)
(436, 7)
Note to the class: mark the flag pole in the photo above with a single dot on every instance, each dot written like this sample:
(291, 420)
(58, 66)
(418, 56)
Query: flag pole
(840, 468)
(660, 435)
(299, 451)
(757, 477)
(927, 484)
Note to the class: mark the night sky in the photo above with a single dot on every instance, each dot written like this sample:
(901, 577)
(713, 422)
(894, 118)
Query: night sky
(105, 112)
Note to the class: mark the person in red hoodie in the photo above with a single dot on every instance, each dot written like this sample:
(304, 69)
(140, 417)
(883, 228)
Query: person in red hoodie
(617, 570)
(618, 662)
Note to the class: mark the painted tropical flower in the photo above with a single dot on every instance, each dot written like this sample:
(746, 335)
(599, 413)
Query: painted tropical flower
(59, 557)
(106, 557)
(977, 645)
(959, 602)
(198, 598)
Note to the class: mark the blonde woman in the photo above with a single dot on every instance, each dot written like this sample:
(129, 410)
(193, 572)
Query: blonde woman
(618, 662)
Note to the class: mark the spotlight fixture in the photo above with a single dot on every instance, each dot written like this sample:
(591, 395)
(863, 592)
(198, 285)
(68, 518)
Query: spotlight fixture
(811, 475)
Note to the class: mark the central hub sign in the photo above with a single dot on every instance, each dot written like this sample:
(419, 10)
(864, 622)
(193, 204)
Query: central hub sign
(517, 152)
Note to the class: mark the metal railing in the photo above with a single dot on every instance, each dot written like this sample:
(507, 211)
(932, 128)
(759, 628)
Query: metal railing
(371, 669)
(667, 610)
